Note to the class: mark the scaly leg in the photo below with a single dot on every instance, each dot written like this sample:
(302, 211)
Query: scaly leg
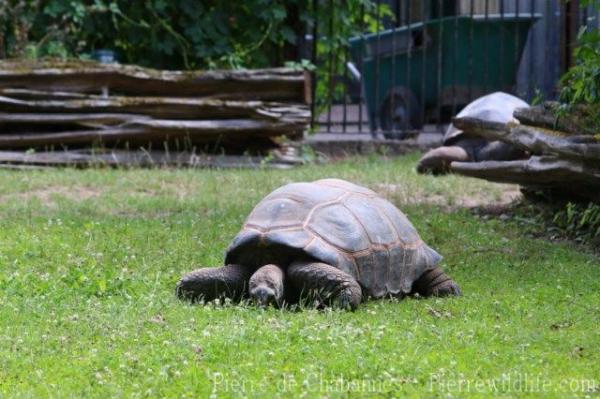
(435, 282)
(326, 283)
(213, 282)
(438, 160)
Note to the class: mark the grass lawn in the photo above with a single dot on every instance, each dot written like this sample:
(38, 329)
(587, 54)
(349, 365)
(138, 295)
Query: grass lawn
(89, 261)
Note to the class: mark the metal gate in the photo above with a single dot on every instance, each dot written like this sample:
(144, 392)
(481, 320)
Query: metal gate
(409, 65)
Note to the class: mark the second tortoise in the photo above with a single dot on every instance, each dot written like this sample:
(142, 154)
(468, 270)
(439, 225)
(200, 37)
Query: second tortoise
(460, 147)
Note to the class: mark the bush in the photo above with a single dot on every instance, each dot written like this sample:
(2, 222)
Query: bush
(176, 34)
(581, 83)
(580, 221)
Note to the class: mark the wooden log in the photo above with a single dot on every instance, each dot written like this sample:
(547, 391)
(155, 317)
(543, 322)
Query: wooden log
(219, 126)
(578, 120)
(106, 136)
(579, 177)
(276, 84)
(25, 94)
(143, 131)
(84, 159)
(495, 130)
(166, 108)
(539, 141)
(23, 167)
(482, 128)
(83, 119)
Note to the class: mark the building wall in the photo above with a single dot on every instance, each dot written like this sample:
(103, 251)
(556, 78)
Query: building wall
(543, 60)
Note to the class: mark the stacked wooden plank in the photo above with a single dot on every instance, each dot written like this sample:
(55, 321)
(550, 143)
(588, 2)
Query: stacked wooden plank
(141, 158)
(563, 150)
(66, 105)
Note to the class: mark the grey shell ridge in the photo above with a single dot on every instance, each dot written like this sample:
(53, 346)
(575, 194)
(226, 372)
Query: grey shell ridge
(338, 223)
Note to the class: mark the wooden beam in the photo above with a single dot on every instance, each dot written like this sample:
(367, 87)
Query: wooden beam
(138, 159)
(535, 140)
(538, 142)
(578, 120)
(76, 119)
(275, 84)
(580, 177)
(147, 131)
(482, 128)
(25, 94)
(165, 108)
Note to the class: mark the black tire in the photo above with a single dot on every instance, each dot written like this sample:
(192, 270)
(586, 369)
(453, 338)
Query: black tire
(399, 113)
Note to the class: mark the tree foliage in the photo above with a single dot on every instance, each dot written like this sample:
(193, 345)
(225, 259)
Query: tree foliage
(581, 83)
(580, 220)
(158, 33)
(175, 34)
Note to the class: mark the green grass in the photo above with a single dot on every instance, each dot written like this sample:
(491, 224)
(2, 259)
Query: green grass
(89, 261)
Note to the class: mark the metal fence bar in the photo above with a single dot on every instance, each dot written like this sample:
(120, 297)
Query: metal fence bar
(502, 44)
(561, 36)
(393, 76)
(455, 59)
(362, 68)
(375, 123)
(547, 24)
(332, 59)
(517, 56)
(407, 83)
(530, 88)
(315, 76)
(440, 65)
(471, 36)
(346, 81)
(486, 62)
(424, 39)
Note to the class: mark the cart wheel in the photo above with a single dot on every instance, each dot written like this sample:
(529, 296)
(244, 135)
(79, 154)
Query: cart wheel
(399, 113)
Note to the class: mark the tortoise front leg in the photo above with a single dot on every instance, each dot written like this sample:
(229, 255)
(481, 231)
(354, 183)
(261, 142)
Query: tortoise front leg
(325, 283)
(209, 283)
(435, 282)
(266, 285)
(438, 160)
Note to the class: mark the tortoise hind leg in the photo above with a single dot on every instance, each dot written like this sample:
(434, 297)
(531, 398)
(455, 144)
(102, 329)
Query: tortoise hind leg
(325, 283)
(209, 283)
(435, 282)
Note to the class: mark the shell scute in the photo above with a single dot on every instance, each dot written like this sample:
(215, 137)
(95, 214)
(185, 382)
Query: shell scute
(277, 213)
(337, 225)
(377, 227)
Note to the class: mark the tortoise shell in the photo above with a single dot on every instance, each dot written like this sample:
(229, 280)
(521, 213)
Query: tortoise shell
(494, 107)
(338, 223)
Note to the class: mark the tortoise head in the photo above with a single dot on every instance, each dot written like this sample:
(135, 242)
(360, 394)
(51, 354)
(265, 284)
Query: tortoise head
(266, 286)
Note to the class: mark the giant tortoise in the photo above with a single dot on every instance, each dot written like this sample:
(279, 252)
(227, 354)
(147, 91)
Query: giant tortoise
(457, 146)
(329, 239)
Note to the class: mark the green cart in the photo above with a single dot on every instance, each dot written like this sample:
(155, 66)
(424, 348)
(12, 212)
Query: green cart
(413, 73)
